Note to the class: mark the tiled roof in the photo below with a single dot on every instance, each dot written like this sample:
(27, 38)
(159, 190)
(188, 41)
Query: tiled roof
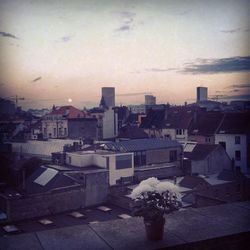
(200, 151)
(68, 112)
(132, 132)
(154, 119)
(235, 123)
(141, 145)
(180, 117)
(206, 123)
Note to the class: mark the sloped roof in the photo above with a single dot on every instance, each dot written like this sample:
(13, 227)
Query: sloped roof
(200, 151)
(179, 118)
(132, 132)
(175, 117)
(68, 112)
(191, 181)
(142, 144)
(235, 123)
(206, 123)
(154, 119)
(57, 181)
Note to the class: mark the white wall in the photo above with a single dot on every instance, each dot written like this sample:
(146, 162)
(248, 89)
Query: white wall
(116, 174)
(231, 147)
(79, 160)
(108, 124)
(92, 158)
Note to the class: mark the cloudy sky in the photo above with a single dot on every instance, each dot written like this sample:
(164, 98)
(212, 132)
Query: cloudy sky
(53, 51)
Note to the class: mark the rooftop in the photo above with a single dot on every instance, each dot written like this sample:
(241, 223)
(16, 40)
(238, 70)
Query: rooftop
(235, 123)
(216, 227)
(142, 144)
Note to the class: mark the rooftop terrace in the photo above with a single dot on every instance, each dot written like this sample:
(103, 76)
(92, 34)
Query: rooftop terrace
(218, 227)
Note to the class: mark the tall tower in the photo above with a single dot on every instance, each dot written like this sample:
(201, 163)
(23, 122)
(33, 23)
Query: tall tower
(201, 94)
(150, 100)
(108, 96)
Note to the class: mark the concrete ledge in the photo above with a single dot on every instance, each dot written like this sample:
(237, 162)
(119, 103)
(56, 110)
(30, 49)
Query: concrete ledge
(218, 227)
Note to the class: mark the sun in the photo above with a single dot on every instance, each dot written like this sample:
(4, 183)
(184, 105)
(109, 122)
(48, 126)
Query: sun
(69, 100)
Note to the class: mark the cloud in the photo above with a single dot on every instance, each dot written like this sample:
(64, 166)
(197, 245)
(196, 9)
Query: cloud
(184, 12)
(4, 34)
(239, 86)
(161, 70)
(135, 94)
(37, 79)
(66, 39)
(216, 66)
(231, 31)
(237, 97)
(124, 28)
(127, 21)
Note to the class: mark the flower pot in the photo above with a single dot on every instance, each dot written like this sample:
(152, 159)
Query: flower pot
(155, 229)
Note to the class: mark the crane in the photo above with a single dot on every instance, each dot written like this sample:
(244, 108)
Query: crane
(16, 98)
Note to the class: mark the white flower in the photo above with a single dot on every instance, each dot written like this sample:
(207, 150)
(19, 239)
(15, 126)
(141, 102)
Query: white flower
(166, 186)
(141, 189)
(152, 181)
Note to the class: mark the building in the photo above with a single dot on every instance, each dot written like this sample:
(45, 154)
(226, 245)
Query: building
(205, 159)
(150, 100)
(119, 165)
(7, 107)
(157, 157)
(201, 94)
(204, 127)
(53, 189)
(107, 122)
(137, 109)
(82, 128)
(108, 97)
(55, 123)
(234, 135)
(172, 123)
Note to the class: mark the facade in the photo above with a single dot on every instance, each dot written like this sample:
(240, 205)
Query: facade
(119, 165)
(55, 123)
(201, 94)
(150, 100)
(172, 123)
(84, 128)
(205, 159)
(108, 96)
(234, 135)
(149, 151)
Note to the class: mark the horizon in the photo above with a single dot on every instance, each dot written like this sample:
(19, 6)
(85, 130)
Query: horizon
(63, 52)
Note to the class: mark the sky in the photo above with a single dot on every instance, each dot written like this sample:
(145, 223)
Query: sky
(60, 52)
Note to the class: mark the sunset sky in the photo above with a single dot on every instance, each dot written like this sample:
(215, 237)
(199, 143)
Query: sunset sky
(53, 51)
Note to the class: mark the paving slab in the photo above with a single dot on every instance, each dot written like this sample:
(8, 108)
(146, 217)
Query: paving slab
(130, 234)
(26, 241)
(67, 238)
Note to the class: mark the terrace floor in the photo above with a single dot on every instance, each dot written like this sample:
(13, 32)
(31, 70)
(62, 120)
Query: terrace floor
(219, 227)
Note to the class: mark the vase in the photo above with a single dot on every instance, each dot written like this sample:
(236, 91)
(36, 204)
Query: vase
(155, 229)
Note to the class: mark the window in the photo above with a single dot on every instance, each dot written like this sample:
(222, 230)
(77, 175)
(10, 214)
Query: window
(69, 159)
(223, 144)
(237, 139)
(173, 155)
(54, 131)
(123, 161)
(207, 139)
(65, 131)
(237, 155)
